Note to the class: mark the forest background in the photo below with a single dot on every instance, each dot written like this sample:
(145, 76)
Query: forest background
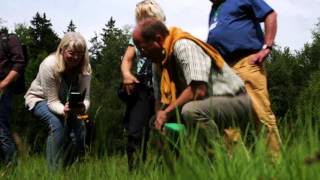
(293, 78)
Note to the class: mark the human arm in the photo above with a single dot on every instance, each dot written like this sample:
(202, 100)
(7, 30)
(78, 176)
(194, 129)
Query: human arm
(16, 59)
(50, 82)
(12, 76)
(270, 28)
(128, 78)
(195, 65)
(195, 91)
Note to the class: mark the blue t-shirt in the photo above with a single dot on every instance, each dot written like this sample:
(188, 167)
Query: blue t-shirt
(234, 27)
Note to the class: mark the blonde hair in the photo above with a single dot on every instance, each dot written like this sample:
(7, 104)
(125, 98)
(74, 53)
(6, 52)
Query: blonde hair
(75, 41)
(149, 8)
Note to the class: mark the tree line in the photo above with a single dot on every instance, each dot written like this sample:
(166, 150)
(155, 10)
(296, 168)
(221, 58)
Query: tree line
(292, 77)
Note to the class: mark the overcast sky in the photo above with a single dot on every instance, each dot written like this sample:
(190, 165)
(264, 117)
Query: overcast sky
(296, 18)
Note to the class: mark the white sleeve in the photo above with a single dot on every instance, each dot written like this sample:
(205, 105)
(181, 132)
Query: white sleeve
(50, 84)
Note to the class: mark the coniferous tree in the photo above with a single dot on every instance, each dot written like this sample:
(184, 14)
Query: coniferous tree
(44, 37)
(1, 26)
(71, 27)
(105, 82)
(95, 49)
(114, 43)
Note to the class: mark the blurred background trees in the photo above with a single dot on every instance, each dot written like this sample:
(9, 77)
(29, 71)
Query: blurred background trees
(293, 81)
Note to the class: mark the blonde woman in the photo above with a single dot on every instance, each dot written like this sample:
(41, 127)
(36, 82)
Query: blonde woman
(138, 85)
(66, 70)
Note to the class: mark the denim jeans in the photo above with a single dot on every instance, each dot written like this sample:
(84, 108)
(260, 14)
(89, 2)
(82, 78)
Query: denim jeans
(66, 138)
(7, 145)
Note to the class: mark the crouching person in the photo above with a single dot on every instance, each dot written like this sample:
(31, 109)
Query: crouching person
(194, 76)
(49, 99)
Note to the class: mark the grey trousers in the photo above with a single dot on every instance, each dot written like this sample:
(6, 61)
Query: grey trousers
(219, 112)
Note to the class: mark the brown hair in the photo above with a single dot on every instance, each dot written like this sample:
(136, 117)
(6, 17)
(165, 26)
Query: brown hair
(149, 27)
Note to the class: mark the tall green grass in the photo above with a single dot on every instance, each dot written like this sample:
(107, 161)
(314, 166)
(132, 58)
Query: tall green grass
(191, 160)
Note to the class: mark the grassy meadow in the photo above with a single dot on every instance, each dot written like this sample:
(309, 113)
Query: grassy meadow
(297, 160)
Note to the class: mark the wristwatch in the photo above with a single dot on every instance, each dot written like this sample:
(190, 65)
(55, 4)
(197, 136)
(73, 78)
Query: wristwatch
(265, 46)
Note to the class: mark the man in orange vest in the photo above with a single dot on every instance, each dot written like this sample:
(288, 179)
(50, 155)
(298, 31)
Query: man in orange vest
(193, 76)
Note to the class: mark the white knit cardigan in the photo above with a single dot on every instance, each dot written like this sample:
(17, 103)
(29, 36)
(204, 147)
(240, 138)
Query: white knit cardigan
(46, 87)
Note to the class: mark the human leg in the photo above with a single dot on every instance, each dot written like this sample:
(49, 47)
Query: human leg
(55, 140)
(255, 79)
(219, 115)
(224, 111)
(7, 145)
(139, 113)
(75, 144)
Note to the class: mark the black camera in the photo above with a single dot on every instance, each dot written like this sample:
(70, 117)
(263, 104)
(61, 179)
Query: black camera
(76, 98)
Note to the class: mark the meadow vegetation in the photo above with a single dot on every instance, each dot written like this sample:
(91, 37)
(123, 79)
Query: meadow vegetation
(294, 91)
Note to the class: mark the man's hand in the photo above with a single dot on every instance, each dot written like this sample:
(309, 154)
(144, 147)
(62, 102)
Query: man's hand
(161, 118)
(260, 56)
(129, 81)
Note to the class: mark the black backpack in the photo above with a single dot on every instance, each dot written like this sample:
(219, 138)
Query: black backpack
(19, 85)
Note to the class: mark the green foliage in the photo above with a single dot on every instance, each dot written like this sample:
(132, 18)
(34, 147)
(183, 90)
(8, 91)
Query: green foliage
(308, 105)
(289, 74)
(193, 162)
(95, 50)
(43, 37)
(286, 78)
(23, 32)
(106, 79)
(294, 90)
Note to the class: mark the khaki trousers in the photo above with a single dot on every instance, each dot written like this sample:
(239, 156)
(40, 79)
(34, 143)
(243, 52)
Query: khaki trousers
(255, 79)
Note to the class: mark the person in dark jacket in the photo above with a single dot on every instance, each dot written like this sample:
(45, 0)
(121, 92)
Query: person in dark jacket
(12, 63)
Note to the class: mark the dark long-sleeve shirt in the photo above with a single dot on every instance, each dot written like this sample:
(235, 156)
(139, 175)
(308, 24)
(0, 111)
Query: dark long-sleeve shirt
(15, 60)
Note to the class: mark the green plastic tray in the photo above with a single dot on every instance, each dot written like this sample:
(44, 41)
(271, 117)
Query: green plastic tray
(174, 127)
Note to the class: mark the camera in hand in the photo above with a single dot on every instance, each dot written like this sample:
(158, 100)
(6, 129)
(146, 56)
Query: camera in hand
(76, 98)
